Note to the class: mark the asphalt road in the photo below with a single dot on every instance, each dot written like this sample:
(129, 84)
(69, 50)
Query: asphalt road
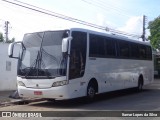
(124, 100)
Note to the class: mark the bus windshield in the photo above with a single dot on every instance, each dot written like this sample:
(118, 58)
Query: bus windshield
(41, 55)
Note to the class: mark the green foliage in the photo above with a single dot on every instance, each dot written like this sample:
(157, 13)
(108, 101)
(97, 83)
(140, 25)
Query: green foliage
(1, 37)
(12, 40)
(154, 27)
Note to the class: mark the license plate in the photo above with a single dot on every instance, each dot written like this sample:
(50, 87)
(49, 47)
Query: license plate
(37, 92)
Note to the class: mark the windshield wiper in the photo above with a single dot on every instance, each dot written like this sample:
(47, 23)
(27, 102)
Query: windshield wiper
(31, 72)
(35, 68)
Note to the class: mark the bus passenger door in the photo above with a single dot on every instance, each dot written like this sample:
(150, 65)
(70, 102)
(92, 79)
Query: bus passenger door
(77, 60)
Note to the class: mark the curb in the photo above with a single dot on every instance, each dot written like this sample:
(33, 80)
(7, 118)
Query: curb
(20, 102)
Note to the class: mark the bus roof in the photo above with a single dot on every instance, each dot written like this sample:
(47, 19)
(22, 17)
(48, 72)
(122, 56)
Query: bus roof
(112, 35)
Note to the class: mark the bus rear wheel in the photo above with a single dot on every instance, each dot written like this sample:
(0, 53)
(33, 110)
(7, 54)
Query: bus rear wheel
(140, 84)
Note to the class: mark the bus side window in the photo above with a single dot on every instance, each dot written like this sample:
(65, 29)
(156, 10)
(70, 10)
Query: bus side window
(124, 49)
(149, 53)
(134, 51)
(142, 52)
(110, 47)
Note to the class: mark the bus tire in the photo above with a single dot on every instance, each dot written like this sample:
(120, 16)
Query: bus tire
(140, 84)
(91, 91)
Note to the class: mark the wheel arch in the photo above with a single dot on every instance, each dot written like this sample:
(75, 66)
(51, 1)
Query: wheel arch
(94, 82)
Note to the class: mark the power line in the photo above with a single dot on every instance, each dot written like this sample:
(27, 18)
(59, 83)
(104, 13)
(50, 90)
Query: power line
(114, 4)
(47, 12)
(56, 15)
(105, 7)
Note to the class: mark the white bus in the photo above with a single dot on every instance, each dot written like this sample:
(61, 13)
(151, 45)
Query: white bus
(72, 63)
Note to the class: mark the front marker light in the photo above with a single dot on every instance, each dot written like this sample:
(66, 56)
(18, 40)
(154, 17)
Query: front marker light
(60, 83)
(20, 83)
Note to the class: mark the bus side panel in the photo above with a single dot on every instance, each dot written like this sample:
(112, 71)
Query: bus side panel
(116, 74)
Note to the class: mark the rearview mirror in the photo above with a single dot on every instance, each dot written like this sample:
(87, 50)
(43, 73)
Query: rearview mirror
(65, 43)
(12, 50)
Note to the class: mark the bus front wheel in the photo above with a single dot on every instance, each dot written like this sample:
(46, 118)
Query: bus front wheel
(91, 91)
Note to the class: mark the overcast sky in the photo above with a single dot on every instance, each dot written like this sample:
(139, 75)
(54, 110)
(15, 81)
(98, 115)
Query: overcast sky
(125, 15)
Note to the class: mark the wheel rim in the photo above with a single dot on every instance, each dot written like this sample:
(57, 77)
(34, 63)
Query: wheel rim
(91, 92)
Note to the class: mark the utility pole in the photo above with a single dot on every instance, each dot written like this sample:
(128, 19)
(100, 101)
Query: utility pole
(6, 30)
(144, 29)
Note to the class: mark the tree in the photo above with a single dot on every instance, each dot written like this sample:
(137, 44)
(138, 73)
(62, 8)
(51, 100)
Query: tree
(154, 27)
(12, 40)
(1, 37)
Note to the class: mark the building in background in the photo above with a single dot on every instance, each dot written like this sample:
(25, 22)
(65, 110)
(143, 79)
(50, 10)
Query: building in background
(8, 69)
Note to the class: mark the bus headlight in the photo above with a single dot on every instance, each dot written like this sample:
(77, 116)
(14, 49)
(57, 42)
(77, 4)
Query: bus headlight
(20, 83)
(60, 83)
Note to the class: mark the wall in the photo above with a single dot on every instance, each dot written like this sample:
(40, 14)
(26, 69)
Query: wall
(8, 69)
